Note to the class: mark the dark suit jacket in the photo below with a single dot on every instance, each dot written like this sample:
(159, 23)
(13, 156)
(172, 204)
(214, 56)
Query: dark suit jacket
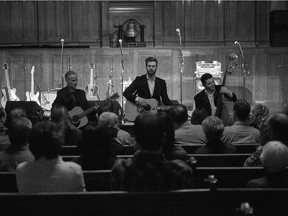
(202, 101)
(64, 97)
(139, 87)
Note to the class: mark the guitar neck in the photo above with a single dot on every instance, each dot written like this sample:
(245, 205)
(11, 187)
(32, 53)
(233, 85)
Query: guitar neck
(7, 80)
(86, 112)
(160, 107)
(32, 84)
(91, 76)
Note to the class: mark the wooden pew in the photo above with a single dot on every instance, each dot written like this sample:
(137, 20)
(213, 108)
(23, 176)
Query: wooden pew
(240, 148)
(190, 149)
(195, 202)
(203, 160)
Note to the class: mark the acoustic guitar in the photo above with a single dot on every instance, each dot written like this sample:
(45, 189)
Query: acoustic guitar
(91, 89)
(8, 94)
(30, 95)
(79, 117)
(132, 110)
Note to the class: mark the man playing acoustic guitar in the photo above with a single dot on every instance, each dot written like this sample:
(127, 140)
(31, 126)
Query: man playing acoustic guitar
(69, 96)
(147, 86)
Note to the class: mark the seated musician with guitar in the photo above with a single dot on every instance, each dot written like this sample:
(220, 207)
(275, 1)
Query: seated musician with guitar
(70, 97)
(208, 98)
(146, 89)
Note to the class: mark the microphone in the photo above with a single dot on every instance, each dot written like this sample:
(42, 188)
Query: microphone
(120, 41)
(62, 42)
(237, 43)
(179, 33)
(233, 56)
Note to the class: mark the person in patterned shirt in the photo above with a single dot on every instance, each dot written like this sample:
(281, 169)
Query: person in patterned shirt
(148, 170)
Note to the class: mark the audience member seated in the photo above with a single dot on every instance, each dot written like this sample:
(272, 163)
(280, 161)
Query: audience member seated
(275, 127)
(48, 173)
(18, 151)
(274, 158)
(148, 170)
(170, 150)
(213, 128)
(110, 121)
(123, 137)
(258, 115)
(4, 139)
(60, 116)
(241, 132)
(95, 151)
(185, 132)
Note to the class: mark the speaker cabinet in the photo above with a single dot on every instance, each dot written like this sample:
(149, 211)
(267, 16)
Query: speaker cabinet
(279, 28)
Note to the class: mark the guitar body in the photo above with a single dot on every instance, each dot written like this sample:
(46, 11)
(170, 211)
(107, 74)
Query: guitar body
(76, 120)
(92, 92)
(34, 97)
(79, 117)
(5, 97)
(132, 110)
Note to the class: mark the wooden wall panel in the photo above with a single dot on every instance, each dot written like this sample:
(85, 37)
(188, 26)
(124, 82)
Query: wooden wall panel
(86, 21)
(203, 21)
(18, 22)
(55, 21)
(239, 20)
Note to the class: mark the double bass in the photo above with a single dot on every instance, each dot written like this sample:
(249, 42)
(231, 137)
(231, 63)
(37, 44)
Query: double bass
(224, 108)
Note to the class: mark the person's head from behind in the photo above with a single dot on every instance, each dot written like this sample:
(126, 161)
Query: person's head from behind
(19, 130)
(167, 121)
(45, 140)
(71, 80)
(258, 115)
(198, 116)
(241, 110)
(278, 125)
(274, 157)
(151, 65)
(111, 106)
(213, 128)
(96, 142)
(110, 121)
(149, 132)
(179, 115)
(207, 81)
(59, 113)
(17, 112)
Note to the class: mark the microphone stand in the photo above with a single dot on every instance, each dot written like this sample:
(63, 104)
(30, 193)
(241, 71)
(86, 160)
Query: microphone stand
(41, 95)
(122, 73)
(243, 68)
(181, 66)
(62, 66)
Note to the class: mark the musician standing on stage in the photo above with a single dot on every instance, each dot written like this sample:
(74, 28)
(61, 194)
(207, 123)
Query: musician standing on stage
(148, 86)
(207, 99)
(69, 96)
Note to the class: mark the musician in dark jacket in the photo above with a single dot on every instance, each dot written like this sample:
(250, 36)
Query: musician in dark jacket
(71, 97)
(148, 86)
(208, 97)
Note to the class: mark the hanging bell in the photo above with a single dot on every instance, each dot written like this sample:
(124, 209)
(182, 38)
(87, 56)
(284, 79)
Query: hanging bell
(131, 31)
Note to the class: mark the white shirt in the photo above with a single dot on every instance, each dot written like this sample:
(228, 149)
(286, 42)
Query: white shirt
(211, 101)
